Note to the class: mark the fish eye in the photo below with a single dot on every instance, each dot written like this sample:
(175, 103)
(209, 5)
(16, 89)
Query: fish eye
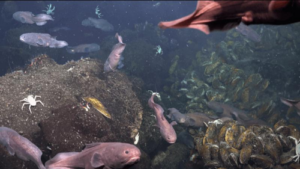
(126, 152)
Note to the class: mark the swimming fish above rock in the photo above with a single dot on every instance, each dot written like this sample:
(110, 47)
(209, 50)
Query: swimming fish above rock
(102, 24)
(21, 146)
(292, 103)
(42, 40)
(84, 48)
(110, 155)
(224, 15)
(97, 105)
(248, 32)
(114, 57)
(24, 17)
(29, 18)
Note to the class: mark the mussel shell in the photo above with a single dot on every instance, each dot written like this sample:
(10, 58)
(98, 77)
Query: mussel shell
(205, 153)
(262, 161)
(245, 154)
(214, 152)
(213, 164)
(287, 157)
(234, 160)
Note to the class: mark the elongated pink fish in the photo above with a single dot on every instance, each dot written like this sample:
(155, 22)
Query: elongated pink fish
(115, 55)
(166, 129)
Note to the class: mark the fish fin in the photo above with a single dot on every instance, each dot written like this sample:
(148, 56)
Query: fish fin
(23, 20)
(59, 157)
(87, 146)
(289, 102)
(169, 116)
(173, 123)
(40, 23)
(202, 27)
(163, 117)
(10, 150)
(22, 156)
(96, 160)
(276, 5)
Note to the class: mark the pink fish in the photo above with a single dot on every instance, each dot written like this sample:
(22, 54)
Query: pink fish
(166, 129)
(21, 146)
(224, 15)
(292, 103)
(115, 55)
(97, 155)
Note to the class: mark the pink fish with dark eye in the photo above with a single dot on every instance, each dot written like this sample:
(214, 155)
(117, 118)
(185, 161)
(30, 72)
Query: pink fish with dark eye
(224, 15)
(97, 155)
(292, 103)
(166, 129)
(21, 146)
(115, 55)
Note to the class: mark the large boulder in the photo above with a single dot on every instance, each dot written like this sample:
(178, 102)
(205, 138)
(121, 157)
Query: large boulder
(62, 124)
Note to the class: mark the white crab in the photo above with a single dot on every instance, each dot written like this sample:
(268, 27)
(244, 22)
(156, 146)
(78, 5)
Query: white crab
(297, 143)
(31, 101)
(216, 122)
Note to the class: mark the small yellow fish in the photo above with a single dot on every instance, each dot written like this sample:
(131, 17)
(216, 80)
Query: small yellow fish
(97, 105)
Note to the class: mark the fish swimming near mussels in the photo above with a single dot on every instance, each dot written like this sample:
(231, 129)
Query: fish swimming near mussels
(224, 15)
(83, 48)
(166, 129)
(21, 146)
(42, 40)
(110, 155)
(28, 17)
(292, 103)
(115, 55)
(225, 110)
(190, 119)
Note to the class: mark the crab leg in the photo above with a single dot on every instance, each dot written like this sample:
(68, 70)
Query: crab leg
(24, 105)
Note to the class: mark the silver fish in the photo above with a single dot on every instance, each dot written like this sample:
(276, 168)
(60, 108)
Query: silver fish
(24, 17)
(83, 48)
(98, 23)
(42, 40)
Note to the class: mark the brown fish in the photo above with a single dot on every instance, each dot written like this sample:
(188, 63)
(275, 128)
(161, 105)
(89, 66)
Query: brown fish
(224, 15)
(97, 155)
(241, 116)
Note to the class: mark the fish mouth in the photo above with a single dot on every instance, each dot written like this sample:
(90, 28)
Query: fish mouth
(22, 39)
(133, 159)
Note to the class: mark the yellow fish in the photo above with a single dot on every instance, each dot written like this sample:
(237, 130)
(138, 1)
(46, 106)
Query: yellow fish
(97, 105)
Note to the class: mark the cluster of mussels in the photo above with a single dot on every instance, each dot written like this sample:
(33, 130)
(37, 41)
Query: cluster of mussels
(223, 82)
(228, 145)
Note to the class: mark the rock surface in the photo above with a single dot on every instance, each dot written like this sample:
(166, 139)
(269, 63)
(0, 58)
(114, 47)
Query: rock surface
(64, 124)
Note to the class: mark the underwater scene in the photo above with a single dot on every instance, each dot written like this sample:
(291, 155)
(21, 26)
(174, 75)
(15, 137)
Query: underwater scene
(150, 84)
